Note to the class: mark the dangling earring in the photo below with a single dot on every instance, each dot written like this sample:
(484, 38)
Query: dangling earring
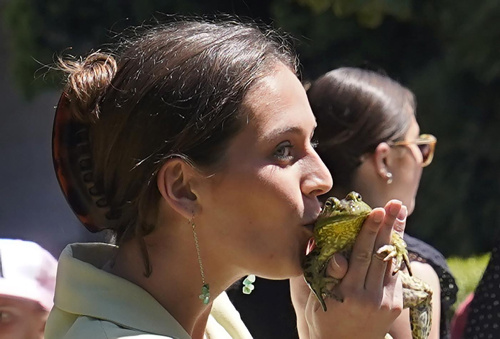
(248, 286)
(388, 177)
(205, 288)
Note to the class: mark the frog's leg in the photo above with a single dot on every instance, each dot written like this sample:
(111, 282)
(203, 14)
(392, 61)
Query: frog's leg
(389, 252)
(400, 244)
(321, 285)
(314, 275)
(417, 295)
(322, 289)
(329, 285)
(397, 250)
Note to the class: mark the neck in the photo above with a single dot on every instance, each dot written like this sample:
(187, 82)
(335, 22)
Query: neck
(175, 281)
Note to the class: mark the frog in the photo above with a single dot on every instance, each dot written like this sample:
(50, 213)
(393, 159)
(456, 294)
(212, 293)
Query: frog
(335, 231)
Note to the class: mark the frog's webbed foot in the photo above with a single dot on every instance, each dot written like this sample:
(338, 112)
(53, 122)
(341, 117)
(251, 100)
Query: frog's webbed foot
(396, 250)
(330, 284)
(417, 296)
(324, 289)
(389, 252)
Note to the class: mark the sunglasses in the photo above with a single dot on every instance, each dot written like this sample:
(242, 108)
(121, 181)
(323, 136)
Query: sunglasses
(426, 143)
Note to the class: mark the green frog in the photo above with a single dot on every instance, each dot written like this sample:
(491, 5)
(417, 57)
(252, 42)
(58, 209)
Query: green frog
(335, 231)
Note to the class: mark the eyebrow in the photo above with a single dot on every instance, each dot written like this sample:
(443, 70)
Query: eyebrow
(284, 130)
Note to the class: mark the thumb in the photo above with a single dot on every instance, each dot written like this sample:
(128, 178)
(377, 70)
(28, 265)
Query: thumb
(337, 266)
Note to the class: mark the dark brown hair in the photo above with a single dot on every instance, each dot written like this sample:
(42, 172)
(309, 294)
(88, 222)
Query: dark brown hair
(356, 110)
(173, 90)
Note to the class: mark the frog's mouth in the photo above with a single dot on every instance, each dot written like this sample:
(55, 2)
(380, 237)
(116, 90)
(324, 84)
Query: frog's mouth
(311, 244)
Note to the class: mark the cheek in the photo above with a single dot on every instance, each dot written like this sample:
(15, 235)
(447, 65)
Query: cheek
(249, 206)
(412, 169)
(413, 184)
(407, 185)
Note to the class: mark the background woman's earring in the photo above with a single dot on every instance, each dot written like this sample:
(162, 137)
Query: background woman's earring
(388, 177)
(248, 286)
(205, 288)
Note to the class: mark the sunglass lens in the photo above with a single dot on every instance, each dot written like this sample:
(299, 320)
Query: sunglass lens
(426, 151)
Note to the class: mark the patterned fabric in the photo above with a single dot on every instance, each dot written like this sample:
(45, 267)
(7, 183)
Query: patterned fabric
(483, 320)
(425, 253)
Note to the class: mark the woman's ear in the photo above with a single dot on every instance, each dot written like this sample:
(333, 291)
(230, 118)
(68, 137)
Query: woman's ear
(175, 181)
(381, 159)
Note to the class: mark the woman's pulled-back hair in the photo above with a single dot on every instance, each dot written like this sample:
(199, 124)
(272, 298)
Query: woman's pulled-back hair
(356, 110)
(174, 90)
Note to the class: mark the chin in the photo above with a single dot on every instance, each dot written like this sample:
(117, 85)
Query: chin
(288, 270)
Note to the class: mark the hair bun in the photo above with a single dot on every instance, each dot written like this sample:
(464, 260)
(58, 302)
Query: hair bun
(87, 80)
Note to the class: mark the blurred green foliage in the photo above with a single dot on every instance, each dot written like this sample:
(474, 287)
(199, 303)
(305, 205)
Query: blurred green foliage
(467, 273)
(446, 51)
(369, 13)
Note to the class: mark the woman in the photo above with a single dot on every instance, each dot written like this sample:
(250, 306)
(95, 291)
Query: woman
(192, 145)
(27, 280)
(478, 316)
(370, 141)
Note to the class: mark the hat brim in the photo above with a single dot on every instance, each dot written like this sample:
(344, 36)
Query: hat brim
(26, 289)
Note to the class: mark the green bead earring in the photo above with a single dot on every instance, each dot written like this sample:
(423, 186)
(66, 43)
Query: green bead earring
(205, 294)
(205, 288)
(248, 286)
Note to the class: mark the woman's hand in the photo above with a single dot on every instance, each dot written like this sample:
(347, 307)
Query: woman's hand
(373, 296)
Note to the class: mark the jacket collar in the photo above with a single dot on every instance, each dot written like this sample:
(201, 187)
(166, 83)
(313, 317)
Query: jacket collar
(84, 288)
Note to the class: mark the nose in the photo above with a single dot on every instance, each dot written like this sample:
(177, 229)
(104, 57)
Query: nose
(317, 179)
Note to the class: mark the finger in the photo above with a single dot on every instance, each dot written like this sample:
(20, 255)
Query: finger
(393, 287)
(299, 291)
(337, 266)
(378, 266)
(363, 249)
(400, 223)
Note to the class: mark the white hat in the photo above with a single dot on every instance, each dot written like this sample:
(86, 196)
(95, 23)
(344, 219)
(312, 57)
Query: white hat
(27, 271)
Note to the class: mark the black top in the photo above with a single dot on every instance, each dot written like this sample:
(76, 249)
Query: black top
(268, 311)
(483, 319)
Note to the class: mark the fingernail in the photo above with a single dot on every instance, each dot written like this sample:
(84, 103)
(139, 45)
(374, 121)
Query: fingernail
(399, 225)
(378, 217)
(402, 213)
(394, 210)
(335, 263)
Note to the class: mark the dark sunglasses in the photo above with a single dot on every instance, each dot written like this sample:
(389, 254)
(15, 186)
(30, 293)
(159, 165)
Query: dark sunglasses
(426, 143)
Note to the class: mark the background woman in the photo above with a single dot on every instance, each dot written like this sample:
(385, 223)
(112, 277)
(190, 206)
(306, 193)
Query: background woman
(370, 141)
(192, 145)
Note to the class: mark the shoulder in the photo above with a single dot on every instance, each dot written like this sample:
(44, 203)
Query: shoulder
(426, 273)
(421, 252)
(425, 252)
(86, 327)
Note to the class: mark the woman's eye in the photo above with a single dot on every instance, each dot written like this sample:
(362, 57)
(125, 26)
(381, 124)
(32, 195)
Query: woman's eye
(283, 151)
(314, 143)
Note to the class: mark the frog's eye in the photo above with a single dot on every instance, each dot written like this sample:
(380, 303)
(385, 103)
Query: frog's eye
(331, 203)
(354, 196)
(328, 203)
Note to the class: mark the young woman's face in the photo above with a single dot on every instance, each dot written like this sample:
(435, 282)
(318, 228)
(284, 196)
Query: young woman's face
(259, 208)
